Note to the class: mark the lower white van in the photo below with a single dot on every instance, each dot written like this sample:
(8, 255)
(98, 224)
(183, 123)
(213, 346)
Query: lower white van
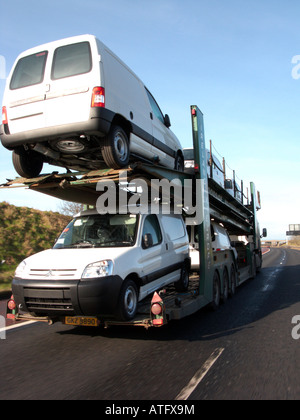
(103, 265)
(73, 103)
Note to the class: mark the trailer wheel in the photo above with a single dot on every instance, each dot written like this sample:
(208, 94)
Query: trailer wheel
(258, 267)
(115, 150)
(27, 164)
(183, 284)
(232, 288)
(216, 292)
(128, 301)
(225, 285)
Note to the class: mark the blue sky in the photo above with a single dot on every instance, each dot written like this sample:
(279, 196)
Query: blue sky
(231, 58)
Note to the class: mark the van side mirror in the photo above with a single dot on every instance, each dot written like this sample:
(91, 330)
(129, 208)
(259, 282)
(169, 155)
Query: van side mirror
(167, 121)
(264, 233)
(147, 241)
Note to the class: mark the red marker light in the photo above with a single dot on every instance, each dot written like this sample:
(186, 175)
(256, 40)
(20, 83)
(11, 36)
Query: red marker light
(11, 305)
(156, 309)
(4, 115)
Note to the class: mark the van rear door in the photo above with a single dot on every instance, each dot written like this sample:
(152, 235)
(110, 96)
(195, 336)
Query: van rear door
(25, 100)
(72, 77)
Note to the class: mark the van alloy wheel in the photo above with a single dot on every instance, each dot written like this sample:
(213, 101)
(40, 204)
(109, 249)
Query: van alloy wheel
(128, 301)
(115, 150)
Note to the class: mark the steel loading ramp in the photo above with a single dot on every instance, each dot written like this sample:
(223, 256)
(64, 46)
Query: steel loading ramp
(80, 187)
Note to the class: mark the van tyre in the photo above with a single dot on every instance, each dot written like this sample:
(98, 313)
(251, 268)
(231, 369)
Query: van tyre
(115, 150)
(182, 285)
(27, 164)
(179, 163)
(128, 301)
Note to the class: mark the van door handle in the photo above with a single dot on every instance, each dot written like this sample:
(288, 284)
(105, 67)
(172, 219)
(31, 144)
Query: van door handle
(47, 88)
(167, 247)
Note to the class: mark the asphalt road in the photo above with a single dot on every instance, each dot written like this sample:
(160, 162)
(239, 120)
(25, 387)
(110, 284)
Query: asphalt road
(245, 350)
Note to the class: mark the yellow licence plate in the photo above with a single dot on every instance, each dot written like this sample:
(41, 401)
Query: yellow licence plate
(84, 321)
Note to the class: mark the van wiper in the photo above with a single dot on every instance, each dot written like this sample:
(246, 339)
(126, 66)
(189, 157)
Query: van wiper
(81, 244)
(112, 243)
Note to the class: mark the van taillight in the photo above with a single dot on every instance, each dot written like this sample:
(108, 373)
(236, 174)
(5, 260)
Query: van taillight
(98, 97)
(4, 115)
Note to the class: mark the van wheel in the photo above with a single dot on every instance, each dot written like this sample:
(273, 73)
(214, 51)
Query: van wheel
(183, 284)
(27, 164)
(179, 163)
(115, 150)
(128, 301)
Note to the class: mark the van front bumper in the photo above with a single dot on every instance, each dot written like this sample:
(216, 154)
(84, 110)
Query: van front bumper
(92, 297)
(98, 124)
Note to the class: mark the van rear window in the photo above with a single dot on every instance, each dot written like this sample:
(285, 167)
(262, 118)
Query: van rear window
(29, 71)
(71, 60)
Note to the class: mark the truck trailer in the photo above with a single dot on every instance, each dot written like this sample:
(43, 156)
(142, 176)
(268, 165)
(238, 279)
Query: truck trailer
(224, 236)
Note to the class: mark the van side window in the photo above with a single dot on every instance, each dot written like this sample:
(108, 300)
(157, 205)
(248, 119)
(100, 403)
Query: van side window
(29, 71)
(71, 60)
(155, 108)
(173, 227)
(151, 225)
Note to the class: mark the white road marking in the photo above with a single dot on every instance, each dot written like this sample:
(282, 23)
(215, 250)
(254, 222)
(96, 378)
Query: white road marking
(200, 374)
(17, 326)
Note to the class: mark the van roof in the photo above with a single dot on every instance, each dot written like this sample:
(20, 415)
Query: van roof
(69, 40)
(73, 40)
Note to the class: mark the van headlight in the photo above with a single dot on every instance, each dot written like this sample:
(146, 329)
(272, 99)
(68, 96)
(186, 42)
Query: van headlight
(20, 269)
(98, 269)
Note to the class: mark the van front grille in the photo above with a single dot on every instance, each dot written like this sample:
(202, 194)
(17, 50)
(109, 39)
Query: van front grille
(53, 273)
(54, 301)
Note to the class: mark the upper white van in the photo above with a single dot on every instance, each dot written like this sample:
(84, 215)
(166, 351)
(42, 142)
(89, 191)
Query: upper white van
(74, 103)
(102, 265)
(214, 167)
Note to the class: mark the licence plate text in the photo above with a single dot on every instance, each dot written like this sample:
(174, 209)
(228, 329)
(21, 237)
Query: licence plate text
(81, 321)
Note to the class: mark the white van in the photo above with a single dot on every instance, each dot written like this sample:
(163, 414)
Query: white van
(220, 242)
(214, 167)
(103, 265)
(234, 189)
(74, 103)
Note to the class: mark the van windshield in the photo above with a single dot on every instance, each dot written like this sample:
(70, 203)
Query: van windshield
(99, 231)
(29, 71)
